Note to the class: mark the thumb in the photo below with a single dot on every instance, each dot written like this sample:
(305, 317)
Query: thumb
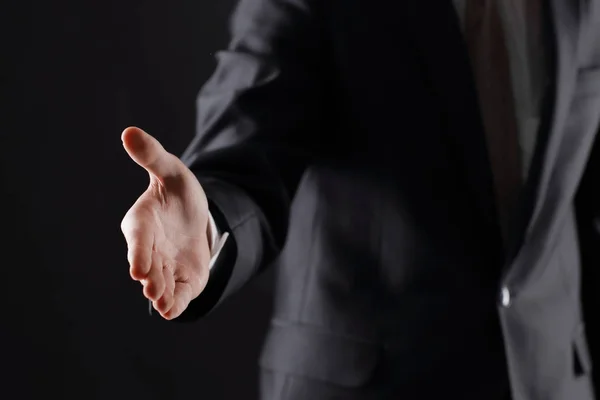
(148, 153)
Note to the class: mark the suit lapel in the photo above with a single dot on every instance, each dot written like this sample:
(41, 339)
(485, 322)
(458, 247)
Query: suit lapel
(563, 21)
(445, 56)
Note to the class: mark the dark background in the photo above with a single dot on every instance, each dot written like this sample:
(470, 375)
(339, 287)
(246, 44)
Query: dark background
(74, 326)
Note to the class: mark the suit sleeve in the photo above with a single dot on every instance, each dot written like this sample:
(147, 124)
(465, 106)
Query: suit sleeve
(259, 125)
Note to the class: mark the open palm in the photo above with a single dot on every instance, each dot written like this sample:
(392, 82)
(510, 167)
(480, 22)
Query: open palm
(166, 228)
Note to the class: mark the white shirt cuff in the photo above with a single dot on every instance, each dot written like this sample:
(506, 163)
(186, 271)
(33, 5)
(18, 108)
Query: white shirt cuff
(217, 240)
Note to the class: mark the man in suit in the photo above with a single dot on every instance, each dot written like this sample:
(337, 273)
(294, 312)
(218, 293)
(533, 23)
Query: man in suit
(420, 174)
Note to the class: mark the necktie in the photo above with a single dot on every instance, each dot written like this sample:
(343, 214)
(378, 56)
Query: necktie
(490, 64)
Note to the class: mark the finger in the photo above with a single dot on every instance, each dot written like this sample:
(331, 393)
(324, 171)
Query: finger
(154, 284)
(181, 300)
(139, 248)
(140, 261)
(148, 153)
(165, 303)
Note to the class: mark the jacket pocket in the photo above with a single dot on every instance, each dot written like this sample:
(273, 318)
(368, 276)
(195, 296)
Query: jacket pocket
(311, 353)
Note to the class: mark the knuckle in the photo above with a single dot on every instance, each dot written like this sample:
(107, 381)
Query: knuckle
(125, 223)
(128, 223)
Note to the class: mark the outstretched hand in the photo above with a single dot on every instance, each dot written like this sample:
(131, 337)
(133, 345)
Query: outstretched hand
(166, 228)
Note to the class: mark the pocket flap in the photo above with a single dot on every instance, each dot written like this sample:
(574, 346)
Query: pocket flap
(312, 353)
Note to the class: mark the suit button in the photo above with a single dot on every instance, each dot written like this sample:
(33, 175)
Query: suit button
(505, 297)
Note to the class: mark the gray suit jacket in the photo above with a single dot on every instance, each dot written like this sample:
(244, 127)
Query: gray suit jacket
(340, 142)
